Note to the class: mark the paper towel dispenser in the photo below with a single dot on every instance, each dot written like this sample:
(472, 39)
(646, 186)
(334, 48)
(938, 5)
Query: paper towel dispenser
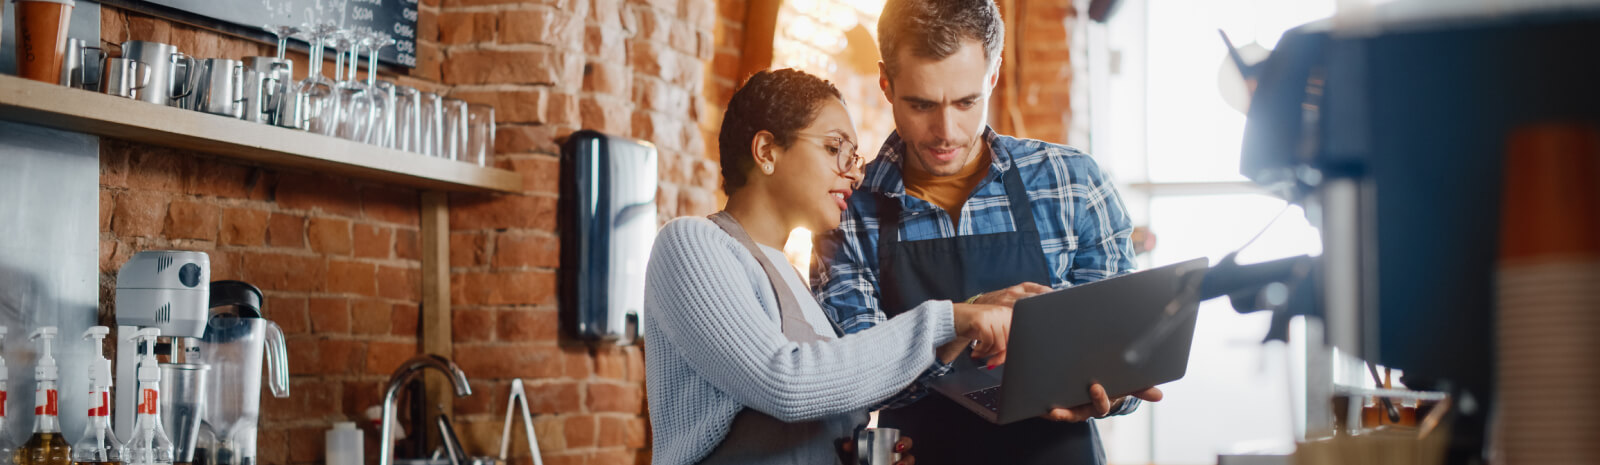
(608, 223)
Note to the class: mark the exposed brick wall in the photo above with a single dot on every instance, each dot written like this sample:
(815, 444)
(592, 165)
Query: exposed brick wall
(338, 259)
(1043, 69)
(632, 68)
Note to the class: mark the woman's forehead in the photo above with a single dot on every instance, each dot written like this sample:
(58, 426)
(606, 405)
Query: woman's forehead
(834, 119)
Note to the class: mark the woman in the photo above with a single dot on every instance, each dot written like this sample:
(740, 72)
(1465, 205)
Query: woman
(743, 366)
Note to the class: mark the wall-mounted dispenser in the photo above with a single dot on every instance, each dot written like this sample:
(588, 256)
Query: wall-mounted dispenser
(608, 223)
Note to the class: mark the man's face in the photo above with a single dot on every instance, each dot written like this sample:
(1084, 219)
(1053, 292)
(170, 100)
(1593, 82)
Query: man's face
(940, 106)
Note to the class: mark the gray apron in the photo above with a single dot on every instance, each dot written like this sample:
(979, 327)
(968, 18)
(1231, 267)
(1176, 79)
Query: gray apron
(758, 438)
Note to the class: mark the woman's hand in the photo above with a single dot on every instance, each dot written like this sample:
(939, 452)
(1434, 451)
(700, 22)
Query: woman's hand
(990, 325)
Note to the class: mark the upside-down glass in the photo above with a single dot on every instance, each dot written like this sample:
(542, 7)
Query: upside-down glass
(355, 103)
(455, 129)
(382, 133)
(283, 33)
(407, 119)
(316, 94)
(480, 134)
(281, 105)
(385, 102)
(431, 122)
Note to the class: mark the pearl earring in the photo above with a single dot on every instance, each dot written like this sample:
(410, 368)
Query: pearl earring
(767, 168)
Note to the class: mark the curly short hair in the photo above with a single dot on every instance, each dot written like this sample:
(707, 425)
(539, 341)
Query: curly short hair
(778, 101)
(935, 28)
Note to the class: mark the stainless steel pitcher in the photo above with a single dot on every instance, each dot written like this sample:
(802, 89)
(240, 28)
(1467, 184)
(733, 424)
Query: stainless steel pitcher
(125, 78)
(166, 85)
(218, 88)
(78, 70)
(269, 89)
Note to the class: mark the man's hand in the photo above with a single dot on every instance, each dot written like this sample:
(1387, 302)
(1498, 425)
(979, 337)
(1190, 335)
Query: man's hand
(1099, 405)
(1009, 296)
(989, 324)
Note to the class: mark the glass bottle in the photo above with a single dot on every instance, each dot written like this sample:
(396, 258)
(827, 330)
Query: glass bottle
(46, 446)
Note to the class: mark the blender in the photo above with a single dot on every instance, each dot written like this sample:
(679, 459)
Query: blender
(166, 290)
(237, 340)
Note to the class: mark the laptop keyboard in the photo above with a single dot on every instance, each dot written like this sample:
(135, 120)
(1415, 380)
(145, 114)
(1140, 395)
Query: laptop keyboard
(989, 398)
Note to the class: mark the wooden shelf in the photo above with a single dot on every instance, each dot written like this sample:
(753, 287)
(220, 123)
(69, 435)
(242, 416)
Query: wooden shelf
(33, 102)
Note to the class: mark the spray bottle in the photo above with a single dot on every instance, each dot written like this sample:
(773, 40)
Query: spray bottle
(98, 444)
(149, 444)
(45, 446)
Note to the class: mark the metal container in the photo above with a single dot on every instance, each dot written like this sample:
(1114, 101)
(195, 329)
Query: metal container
(123, 77)
(273, 98)
(166, 86)
(79, 71)
(218, 88)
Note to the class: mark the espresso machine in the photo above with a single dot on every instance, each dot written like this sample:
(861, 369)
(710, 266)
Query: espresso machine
(237, 341)
(167, 290)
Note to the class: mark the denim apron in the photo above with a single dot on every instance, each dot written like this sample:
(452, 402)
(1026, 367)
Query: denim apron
(955, 269)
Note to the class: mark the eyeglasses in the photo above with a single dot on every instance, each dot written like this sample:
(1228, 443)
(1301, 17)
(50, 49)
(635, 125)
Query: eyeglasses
(844, 152)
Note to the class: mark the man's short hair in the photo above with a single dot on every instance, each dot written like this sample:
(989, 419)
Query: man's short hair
(936, 28)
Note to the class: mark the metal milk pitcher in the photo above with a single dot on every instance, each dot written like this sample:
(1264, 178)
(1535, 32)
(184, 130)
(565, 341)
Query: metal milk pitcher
(218, 88)
(163, 60)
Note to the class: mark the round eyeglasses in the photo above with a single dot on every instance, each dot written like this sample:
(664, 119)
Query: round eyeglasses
(843, 150)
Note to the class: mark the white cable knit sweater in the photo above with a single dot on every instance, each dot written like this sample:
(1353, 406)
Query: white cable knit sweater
(713, 346)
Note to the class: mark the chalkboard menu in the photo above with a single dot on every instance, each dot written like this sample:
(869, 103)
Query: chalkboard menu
(398, 18)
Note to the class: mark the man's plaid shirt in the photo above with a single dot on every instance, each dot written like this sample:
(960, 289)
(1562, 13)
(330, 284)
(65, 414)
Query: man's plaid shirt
(1083, 228)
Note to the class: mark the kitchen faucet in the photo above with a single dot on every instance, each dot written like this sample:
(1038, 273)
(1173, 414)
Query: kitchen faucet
(402, 375)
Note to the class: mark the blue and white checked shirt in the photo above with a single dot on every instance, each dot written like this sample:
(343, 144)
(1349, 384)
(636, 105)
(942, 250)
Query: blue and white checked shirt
(1082, 224)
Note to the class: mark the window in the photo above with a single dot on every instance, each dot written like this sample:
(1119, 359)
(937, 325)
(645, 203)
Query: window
(1159, 122)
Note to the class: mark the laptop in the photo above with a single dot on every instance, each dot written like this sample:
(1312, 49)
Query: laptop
(1063, 341)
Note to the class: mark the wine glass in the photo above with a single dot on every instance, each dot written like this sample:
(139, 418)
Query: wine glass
(283, 33)
(408, 119)
(279, 104)
(355, 103)
(383, 98)
(316, 94)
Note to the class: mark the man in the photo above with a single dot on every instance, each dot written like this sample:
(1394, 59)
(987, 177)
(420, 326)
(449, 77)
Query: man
(937, 217)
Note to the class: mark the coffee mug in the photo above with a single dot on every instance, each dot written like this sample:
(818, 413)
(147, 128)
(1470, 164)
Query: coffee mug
(125, 77)
(875, 446)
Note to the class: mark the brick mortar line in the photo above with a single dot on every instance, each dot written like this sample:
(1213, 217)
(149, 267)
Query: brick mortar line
(499, 87)
(499, 47)
(513, 307)
(312, 253)
(523, 155)
(532, 233)
(514, 345)
(505, 7)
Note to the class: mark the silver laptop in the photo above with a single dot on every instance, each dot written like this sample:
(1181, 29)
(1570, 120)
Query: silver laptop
(1063, 341)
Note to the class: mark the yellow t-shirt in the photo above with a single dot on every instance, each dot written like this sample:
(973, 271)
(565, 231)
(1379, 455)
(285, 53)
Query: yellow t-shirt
(948, 192)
